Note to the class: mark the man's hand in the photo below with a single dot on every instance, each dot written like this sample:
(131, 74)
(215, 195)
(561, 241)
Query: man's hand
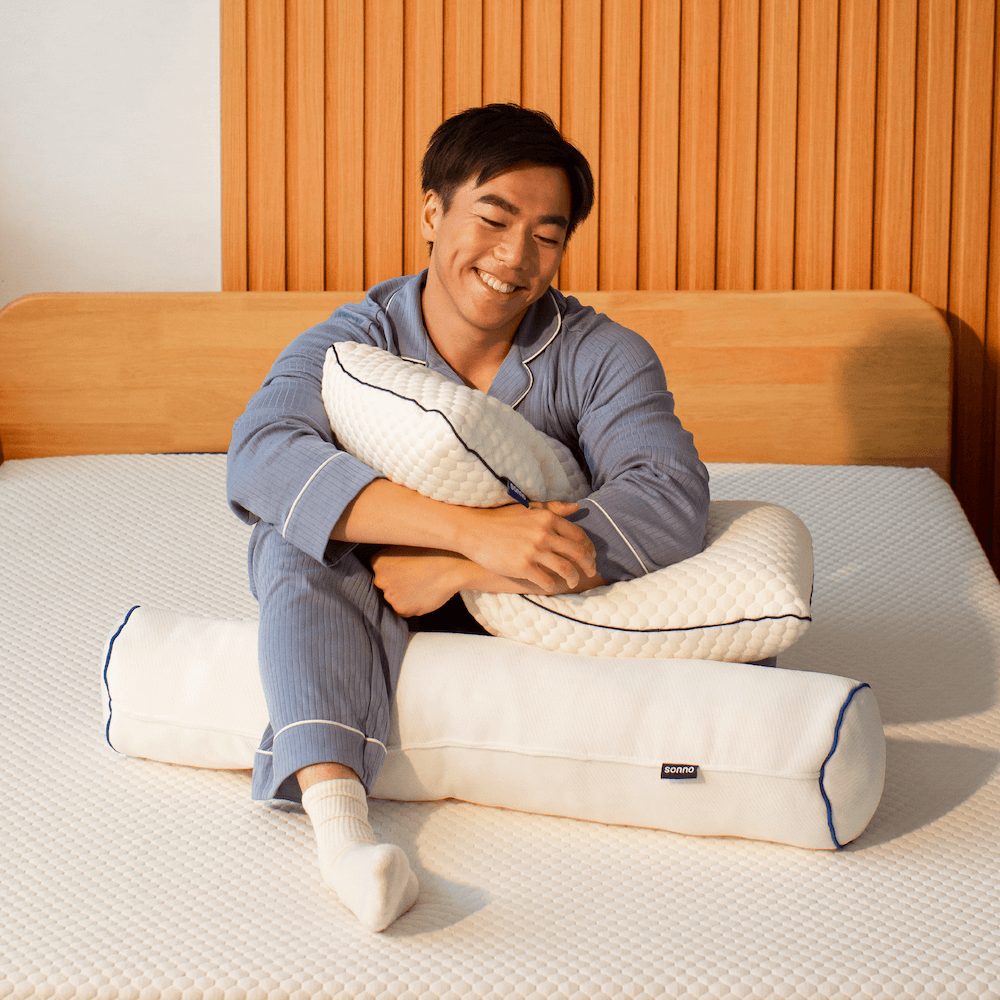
(537, 545)
(515, 549)
(417, 581)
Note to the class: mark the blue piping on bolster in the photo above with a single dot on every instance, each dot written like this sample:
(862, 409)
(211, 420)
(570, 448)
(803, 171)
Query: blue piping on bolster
(107, 663)
(822, 770)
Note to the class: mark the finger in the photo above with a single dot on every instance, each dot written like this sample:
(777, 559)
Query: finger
(578, 548)
(541, 577)
(561, 507)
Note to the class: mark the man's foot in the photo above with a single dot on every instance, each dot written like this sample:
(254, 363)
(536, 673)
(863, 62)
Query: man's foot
(372, 880)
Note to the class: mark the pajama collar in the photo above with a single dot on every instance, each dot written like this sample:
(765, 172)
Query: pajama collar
(400, 298)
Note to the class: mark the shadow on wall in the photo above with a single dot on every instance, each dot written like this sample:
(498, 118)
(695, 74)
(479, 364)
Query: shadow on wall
(973, 438)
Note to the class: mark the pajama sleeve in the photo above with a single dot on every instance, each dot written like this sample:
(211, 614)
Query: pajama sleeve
(284, 466)
(650, 493)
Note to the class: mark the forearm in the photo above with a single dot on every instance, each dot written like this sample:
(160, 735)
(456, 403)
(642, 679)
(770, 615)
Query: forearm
(536, 545)
(416, 581)
(385, 513)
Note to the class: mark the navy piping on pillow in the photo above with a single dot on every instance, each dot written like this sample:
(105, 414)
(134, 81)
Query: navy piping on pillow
(472, 451)
(681, 628)
(822, 770)
(107, 663)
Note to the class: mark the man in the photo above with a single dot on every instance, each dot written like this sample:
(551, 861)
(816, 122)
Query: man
(341, 558)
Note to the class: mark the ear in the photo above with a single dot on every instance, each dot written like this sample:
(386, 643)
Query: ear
(430, 214)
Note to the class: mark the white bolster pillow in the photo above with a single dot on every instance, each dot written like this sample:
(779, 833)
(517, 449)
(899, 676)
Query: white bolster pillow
(691, 746)
(746, 597)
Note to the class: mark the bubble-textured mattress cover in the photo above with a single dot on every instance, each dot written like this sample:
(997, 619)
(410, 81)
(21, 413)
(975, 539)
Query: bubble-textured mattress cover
(132, 879)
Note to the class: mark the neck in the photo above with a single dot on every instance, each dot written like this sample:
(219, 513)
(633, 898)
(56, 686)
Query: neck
(474, 354)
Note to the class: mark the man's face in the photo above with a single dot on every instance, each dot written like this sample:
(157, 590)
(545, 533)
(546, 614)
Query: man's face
(496, 249)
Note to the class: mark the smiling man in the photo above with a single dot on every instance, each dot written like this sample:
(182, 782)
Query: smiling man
(344, 564)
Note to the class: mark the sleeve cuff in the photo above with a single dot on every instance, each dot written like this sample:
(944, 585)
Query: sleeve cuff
(618, 556)
(332, 485)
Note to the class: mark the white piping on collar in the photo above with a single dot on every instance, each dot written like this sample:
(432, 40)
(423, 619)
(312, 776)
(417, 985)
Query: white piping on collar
(385, 309)
(524, 361)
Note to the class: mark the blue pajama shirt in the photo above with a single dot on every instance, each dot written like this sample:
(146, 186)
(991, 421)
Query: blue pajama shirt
(330, 646)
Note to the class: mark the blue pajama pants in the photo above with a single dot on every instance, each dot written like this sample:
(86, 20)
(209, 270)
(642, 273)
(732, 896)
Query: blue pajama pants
(330, 648)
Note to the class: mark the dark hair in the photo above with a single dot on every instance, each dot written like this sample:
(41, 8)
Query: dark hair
(485, 142)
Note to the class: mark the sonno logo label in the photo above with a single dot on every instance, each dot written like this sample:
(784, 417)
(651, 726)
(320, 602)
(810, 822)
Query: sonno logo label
(678, 771)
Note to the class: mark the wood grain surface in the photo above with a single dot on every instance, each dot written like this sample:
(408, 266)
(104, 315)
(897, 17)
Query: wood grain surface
(736, 144)
(791, 377)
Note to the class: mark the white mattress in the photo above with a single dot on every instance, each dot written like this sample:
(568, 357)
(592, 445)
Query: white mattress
(131, 879)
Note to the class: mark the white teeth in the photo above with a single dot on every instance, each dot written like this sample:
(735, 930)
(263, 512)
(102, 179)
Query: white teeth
(495, 283)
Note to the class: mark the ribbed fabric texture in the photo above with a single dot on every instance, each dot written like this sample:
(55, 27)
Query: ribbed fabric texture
(572, 373)
(338, 809)
(374, 881)
(329, 650)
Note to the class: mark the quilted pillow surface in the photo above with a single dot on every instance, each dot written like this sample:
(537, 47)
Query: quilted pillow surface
(744, 598)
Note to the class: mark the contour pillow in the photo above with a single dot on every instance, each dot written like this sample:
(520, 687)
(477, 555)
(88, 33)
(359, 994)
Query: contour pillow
(692, 746)
(744, 598)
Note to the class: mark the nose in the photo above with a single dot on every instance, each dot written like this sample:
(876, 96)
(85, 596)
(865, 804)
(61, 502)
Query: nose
(515, 248)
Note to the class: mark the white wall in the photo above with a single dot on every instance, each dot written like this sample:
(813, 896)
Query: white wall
(109, 146)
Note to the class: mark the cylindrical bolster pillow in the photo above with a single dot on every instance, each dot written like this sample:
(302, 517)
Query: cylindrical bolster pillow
(744, 598)
(692, 746)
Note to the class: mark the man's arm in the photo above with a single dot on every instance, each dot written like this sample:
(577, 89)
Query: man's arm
(649, 499)
(439, 548)
(416, 581)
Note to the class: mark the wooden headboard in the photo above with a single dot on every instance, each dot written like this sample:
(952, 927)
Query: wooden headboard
(840, 378)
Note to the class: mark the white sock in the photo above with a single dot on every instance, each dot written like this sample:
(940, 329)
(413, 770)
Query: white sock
(372, 880)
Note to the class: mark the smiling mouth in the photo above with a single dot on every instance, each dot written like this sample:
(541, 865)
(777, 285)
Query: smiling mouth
(495, 283)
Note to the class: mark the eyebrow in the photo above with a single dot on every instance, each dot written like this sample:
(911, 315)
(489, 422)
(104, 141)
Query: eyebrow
(502, 203)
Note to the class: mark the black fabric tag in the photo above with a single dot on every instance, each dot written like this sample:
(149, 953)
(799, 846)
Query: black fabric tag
(678, 772)
(516, 493)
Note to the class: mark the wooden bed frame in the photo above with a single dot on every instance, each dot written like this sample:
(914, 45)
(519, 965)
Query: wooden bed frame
(827, 378)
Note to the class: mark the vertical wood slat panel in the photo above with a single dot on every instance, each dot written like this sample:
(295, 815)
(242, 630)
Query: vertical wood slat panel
(855, 194)
(266, 146)
(424, 104)
(974, 414)
(345, 144)
(619, 218)
(383, 140)
(501, 51)
(463, 55)
(776, 144)
(659, 144)
(541, 56)
(897, 63)
(935, 99)
(908, 190)
(816, 154)
(581, 124)
(233, 56)
(739, 58)
(699, 132)
(305, 126)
